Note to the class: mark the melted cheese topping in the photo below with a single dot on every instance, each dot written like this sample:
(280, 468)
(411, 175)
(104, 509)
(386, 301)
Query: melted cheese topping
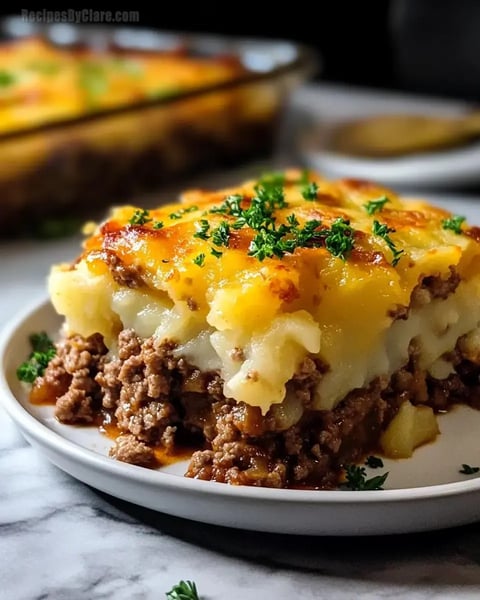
(256, 321)
(41, 83)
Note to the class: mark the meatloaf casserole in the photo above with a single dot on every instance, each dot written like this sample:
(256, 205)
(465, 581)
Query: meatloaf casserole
(283, 329)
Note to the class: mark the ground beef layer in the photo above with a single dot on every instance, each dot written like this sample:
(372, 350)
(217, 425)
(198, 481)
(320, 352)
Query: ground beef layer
(155, 400)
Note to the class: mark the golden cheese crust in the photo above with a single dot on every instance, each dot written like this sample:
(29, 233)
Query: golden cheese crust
(41, 83)
(198, 262)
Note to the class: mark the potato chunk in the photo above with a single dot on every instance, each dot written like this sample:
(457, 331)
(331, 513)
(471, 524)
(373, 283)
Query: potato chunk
(411, 427)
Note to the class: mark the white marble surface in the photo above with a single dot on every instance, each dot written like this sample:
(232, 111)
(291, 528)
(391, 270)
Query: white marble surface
(60, 540)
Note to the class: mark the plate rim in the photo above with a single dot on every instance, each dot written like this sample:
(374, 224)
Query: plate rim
(34, 427)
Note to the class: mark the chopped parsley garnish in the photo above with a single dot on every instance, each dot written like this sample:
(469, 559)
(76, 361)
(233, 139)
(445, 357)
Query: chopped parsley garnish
(454, 223)
(199, 259)
(275, 179)
(184, 590)
(270, 196)
(468, 470)
(140, 217)
(221, 235)
(310, 191)
(277, 242)
(272, 240)
(356, 479)
(339, 240)
(374, 206)
(42, 353)
(266, 244)
(382, 230)
(157, 224)
(202, 232)
(6, 78)
(374, 462)
(230, 206)
(215, 253)
(179, 214)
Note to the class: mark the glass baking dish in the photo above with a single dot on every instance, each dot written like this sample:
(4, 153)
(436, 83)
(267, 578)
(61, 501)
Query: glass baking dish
(80, 164)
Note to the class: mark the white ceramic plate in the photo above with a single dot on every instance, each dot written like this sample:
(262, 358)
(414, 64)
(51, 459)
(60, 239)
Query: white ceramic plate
(425, 492)
(330, 105)
(449, 168)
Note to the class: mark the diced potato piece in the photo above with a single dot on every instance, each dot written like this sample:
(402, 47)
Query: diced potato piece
(410, 428)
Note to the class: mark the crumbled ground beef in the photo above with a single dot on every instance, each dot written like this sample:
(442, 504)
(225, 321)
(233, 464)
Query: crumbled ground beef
(75, 366)
(125, 275)
(130, 450)
(159, 400)
(433, 287)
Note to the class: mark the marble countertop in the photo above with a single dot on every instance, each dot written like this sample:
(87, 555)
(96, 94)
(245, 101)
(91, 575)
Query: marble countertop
(61, 540)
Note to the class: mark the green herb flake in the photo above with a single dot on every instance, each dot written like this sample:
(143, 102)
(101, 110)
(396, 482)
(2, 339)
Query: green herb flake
(468, 470)
(202, 230)
(216, 253)
(179, 214)
(374, 206)
(221, 235)
(230, 206)
(157, 224)
(93, 79)
(310, 191)
(374, 462)
(383, 231)
(199, 260)
(356, 479)
(339, 239)
(266, 244)
(184, 590)
(454, 223)
(274, 179)
(6, 79)
(140, 217)
(43, 350)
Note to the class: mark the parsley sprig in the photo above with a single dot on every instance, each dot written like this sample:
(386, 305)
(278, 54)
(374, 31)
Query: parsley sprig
(468, 470)
(374, 206)
(308, 189)
(141, 216)
(454, 223)
(383, 231)
(183, 211)
(199, 260)
(184, 590)
(374, 462)
(356, 479)
(43, 350)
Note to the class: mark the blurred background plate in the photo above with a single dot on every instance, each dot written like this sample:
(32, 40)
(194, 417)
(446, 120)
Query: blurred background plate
(333, 105)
